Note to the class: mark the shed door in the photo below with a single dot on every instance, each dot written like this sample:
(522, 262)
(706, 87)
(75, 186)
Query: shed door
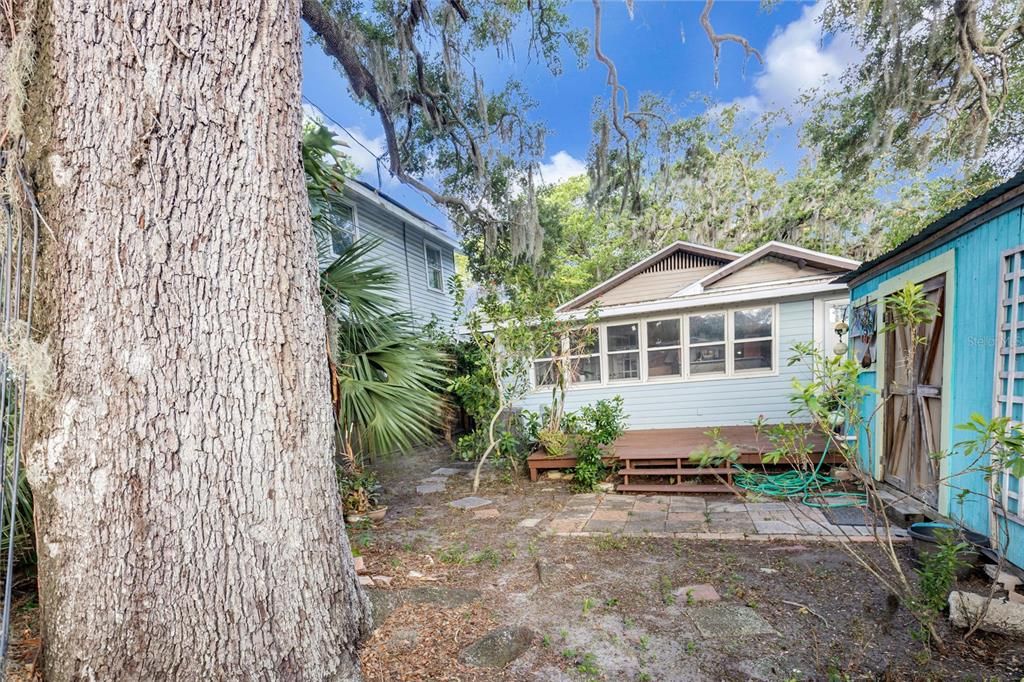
(913, 409)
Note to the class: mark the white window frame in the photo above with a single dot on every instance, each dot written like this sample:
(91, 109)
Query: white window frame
(563, 343)
(427, 245)
(599, 355)
(1008, 321)
(355, 224)
(645, 355)
(606, 374)
(687, 376)
(732, 341)
(724, 342)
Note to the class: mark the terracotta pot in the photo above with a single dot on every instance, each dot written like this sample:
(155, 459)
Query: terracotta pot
(377, 514)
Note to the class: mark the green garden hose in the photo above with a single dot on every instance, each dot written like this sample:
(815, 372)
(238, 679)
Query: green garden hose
(803, 484)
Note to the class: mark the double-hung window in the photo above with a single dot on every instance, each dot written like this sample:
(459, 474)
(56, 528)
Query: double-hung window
(736, 342)
(623, 343)
(707, 344)
(343, 227)
(435, 271)
(664, 349)
(578, 355)
(584, 357)
(752, 339)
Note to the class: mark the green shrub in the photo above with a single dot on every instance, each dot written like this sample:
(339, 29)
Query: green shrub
(595, 428)
(938, 570)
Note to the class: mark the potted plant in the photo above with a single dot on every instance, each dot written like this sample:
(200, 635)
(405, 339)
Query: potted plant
(360, 496)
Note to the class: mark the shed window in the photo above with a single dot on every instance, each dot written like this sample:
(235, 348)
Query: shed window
(1009, 369)
(435, 271)
(664, 348)
(623, 351)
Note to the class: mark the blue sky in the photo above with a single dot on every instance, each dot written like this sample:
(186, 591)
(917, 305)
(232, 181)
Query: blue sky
(662, 49)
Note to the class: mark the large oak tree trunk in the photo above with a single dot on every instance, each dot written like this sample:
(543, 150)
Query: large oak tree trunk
(188, 520)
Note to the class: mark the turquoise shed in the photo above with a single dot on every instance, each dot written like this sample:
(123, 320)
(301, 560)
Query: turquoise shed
(971, 264)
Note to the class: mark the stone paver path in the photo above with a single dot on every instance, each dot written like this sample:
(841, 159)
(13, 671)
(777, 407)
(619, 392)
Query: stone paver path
(695, 517)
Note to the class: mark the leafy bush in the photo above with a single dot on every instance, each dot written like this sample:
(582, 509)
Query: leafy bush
(605, 420)
(938, 570)
(596, 427)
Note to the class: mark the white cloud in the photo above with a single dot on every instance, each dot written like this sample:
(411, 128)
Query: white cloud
(798, 59)
(562, 166)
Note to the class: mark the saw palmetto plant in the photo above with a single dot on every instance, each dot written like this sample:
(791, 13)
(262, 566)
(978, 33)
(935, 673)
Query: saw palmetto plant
(386, 376)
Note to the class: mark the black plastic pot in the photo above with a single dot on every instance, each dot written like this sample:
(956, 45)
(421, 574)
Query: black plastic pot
(925, 538)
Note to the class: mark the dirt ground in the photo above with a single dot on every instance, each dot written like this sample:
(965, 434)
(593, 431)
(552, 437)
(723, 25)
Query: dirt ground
(619, 608)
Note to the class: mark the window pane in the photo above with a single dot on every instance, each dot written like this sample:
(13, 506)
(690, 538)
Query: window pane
(436, 279)
(586, 370)
(624, 366)
(663, 363)
(663, 333)
(753, 355)
(433, 257)
(585, 342)
(543, 373)
(623, 337)
(704, 328)
(343, 231)
(708, 359)
(751, 324)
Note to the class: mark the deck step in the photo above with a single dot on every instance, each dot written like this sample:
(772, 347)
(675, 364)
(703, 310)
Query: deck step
(674, 488)
(682, 471)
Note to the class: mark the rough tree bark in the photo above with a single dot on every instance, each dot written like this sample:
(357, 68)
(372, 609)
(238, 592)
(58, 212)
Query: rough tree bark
(188, 521)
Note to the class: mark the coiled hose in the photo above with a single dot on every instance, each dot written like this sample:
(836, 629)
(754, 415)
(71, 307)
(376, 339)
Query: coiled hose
(807, 485)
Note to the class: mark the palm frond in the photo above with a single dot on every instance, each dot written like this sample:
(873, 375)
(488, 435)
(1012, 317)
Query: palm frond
(363, 289)
(390, 380)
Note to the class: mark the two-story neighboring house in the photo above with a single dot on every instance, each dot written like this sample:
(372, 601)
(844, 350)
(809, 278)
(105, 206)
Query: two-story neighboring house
(420, 253)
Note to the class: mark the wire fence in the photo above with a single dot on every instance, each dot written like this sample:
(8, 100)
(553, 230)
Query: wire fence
(17, 293)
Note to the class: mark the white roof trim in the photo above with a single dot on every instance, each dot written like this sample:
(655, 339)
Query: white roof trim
(629, 272)
(403, 214)
(725, 297)
(777, 248)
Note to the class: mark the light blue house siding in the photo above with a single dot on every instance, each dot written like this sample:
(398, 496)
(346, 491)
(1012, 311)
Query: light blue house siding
(402, 250)
(707, 402)
(972, 309)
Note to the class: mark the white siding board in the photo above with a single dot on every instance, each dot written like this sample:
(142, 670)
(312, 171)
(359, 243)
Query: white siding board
(708, 402)
(405, 258)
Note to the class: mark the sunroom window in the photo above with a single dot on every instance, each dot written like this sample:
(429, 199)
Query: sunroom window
(581, 353)
(752, 333)
(707, 344)
(623, 351)
(585, 356)
(664, 348)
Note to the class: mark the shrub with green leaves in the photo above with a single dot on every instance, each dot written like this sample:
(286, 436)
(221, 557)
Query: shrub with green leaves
(939, 568)
(595, 429)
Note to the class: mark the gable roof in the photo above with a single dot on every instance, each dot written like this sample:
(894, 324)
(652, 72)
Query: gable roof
(797, 254)
(683, 270)
(997, 200)
(701, 253)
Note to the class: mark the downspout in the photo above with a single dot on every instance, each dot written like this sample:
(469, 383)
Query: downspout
(408, 272)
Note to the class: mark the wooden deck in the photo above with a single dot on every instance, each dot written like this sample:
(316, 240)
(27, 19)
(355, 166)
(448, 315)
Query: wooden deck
(661, 458)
